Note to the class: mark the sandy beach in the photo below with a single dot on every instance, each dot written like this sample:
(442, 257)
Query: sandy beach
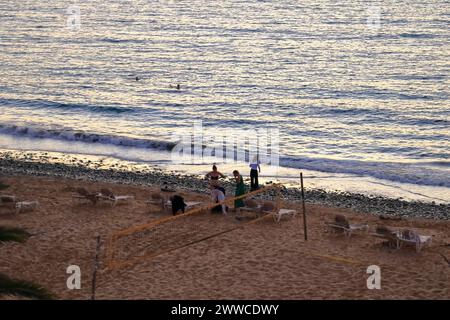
(261, 260)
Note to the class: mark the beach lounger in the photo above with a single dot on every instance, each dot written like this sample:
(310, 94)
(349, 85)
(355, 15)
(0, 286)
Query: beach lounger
(389, 235)
(7, 201)
(192, 204)
(12, 205)
(84, 195)
(26, 206)
(397, 239)
(341, 224)
(7, 198)
(410, 237)
(251, 205)
(277, 213)
(157, 199)
(283, 212)
(189, 205)
(109, 196)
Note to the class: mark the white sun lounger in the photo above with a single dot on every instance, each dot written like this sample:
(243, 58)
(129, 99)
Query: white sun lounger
(84, 196)
(415, 239)
(252, 206)
(157, 200)
(283, 212)
(189, 204)
(106, 195)
(271, 208)
(4, 199)
(14, 206)
(351, 228)
(192, 204)
(114, 200)
(26, 206)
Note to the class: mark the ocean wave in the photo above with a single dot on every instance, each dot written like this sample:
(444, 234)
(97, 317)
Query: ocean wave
(417, 35)
(116, 109)
(435, 173)
(74, 135)
(115, 40)
(413, 173)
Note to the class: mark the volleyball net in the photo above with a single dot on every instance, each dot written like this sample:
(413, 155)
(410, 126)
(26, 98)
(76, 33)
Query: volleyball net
(144, 242)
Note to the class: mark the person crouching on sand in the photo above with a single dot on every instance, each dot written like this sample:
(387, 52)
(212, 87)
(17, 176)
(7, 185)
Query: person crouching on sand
(218, 195)
(214, 176)
(240, 190)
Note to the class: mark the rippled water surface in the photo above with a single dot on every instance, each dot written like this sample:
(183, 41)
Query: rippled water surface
(348, 95)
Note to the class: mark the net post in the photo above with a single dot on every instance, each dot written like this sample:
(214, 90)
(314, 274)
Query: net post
(305, 229)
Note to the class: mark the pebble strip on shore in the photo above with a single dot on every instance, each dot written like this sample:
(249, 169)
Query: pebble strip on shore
(29, 164)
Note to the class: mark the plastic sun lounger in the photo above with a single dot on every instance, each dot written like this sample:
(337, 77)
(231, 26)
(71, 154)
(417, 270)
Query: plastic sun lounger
(80, 198)
(83, 195)
(165, 204)
(4, 199)
(350, 229)
(26, 206)
(15, 206)
(106, 195)
(251, 206)
(270, 208)
(419, 241)
(390, 236)
(155, 202)
(283, 212)
(158, 200)
(8, 202)
(257, 208)
(113, 199)
(189, 205)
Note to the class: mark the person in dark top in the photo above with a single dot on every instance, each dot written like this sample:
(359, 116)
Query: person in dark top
(177, 204)
(240, 190)
(214, 176)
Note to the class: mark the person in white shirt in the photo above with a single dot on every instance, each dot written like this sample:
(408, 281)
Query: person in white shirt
(254, 169)
(218, 196)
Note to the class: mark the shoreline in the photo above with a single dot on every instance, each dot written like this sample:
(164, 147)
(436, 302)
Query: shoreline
(153, 176)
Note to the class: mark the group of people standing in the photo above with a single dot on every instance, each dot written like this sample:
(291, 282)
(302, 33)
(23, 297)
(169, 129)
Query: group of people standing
(218, 192)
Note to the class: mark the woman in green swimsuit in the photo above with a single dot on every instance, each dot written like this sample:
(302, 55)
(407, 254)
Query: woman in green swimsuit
(240, 190)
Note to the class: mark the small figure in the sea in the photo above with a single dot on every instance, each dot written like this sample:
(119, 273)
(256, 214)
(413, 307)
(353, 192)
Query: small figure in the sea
(137, 78)
(214, 176)
(254, 169)
(178, 87)
(240, 190)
